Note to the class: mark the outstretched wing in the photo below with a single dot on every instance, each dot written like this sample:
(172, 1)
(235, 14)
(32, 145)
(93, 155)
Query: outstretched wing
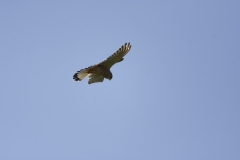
(80, 75)
(117, 56)
(93, 78)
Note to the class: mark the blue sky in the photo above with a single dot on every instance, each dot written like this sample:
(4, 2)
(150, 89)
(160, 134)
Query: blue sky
(176, 95)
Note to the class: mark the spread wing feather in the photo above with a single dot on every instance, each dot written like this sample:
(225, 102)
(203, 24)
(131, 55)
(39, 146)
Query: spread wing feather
(117, 56)
(80, 75)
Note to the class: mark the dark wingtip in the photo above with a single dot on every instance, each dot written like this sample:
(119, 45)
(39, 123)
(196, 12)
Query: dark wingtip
(75, 77)
(129, 45)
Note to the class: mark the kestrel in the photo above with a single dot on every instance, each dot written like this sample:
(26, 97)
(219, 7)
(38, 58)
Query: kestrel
(99, 71)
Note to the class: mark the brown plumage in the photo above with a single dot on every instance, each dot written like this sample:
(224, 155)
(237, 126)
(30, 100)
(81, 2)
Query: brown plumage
(98, 72)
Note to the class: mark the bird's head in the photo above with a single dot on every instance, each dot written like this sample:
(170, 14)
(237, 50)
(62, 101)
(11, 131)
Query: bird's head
(109, 76)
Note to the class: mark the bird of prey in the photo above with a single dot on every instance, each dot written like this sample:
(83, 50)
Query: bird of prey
(99, 71)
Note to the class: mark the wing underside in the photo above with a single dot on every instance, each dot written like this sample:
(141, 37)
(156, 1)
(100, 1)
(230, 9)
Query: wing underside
(80, 75)
(117, 56)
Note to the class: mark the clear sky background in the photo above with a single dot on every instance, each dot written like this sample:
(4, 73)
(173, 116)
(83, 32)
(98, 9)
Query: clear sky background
(176, 95)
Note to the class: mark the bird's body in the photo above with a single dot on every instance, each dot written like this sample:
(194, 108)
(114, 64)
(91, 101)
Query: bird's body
(98, 72)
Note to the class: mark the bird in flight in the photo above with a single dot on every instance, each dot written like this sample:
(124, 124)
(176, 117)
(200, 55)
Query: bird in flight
(98, 72)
